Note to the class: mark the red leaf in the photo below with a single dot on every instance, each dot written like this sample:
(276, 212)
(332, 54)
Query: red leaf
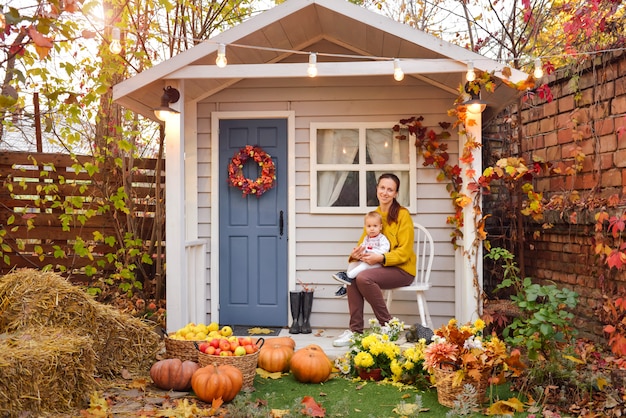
(312, 408)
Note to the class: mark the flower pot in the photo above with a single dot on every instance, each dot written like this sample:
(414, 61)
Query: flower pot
(371, 374)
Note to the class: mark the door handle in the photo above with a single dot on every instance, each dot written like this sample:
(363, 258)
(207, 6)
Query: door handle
(280, 223)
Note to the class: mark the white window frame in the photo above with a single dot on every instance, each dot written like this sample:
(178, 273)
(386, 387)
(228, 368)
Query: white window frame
(362, 167)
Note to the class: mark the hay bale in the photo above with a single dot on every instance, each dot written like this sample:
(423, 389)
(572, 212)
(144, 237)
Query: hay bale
(45, 370)
(34, 299)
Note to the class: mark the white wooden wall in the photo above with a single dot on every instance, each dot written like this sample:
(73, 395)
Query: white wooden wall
(323, 241)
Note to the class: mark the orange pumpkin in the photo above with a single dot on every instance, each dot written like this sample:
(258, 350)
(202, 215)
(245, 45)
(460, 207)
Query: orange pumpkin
(275, 357)
(173, 374)
(288, 341)
(212, 382)
(310, 365)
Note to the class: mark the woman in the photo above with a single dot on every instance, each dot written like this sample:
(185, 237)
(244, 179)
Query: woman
(398, 264)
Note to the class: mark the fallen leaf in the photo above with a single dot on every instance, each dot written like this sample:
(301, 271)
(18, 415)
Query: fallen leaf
(278, 413)
(508, 407)
(259, 330)
(267, 375)
(312, 408)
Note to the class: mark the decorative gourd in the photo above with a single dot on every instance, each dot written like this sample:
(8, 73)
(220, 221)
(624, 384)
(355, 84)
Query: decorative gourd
(212, 382)
(310, 365)
(288, 341)
(275, 357)
(173, 374)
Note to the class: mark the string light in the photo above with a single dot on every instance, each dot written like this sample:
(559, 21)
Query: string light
(471, 75)
(538, 73)
(115, 46)
(221, 60)
(312, 70)
(398, 74)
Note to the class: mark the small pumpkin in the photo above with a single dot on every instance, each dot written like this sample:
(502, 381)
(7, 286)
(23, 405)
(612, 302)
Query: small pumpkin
(212, 382)
(173, 374)
(310, 365)
(275, 357)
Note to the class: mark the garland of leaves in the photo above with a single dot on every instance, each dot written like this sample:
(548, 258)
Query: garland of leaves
(260, 185)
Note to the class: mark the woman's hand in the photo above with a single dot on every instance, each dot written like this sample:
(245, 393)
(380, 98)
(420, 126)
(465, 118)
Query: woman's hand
(372, 258)
(357, 253)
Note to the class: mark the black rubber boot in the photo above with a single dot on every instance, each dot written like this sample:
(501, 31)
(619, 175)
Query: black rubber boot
(307, 306)
(295, 300)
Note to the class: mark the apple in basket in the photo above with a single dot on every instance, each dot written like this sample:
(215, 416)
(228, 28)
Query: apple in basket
(240, 351)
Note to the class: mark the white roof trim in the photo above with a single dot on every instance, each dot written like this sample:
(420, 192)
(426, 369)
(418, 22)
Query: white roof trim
(324, 69)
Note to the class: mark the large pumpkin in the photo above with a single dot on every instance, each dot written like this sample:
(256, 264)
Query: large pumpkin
(173, 374)
(275, 357)
(310, 365)
(288, 341)
(212, 382)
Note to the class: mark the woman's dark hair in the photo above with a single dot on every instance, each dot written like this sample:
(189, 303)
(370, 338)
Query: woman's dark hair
(394, 210)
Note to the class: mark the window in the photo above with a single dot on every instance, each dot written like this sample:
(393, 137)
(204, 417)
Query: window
(346, 161)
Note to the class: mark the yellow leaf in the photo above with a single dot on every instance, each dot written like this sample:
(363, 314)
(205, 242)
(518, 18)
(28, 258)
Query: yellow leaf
(278, 413)
(508, 407)
(601, 382)
(258, 330)
(267, 375)
(574, 359)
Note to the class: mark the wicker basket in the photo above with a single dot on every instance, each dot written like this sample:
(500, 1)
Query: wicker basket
(182, 349)
(247, 364)
(447, 393)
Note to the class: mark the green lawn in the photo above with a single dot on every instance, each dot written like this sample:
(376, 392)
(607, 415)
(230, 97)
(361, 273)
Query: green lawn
(346, 398)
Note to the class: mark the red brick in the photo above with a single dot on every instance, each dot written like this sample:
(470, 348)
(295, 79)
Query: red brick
(620, 86)
(564, 136)
(604, 126)
(547, 124)
(618, 105)
(553, 153)
(543, 185)
(568, 150)
(531, 129)
(550, 109)
(619, 158)
(564, 120)
(566, 103)
(607, 161)
(612, 178)
(605, 91)
(557, 183)
(551, 139)
(608, 143)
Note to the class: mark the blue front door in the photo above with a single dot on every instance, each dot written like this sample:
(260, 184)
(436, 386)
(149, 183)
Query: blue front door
(253, 230)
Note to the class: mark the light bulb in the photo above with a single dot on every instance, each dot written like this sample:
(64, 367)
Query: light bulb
(471, 75)
(115, 46)
(398, 74)
(538, 73)
(312, 70)
(221, 60)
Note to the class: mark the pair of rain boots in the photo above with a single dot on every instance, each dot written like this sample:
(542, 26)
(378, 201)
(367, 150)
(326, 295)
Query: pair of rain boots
(301, 305)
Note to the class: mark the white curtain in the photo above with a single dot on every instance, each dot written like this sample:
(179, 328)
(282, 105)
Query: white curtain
(340, 146)
(334, 147)
(383, 148)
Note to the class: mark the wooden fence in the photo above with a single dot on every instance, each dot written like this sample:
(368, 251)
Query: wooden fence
(40, 230)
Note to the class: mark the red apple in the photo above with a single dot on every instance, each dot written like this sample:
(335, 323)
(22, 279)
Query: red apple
(203, 346)
(210, 350)
(224, 345)
(215, 342)
(245, 341)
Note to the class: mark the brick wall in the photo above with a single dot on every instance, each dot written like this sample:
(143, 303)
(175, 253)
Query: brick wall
(587, 116)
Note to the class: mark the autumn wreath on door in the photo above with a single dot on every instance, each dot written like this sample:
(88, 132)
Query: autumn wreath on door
(261, 184)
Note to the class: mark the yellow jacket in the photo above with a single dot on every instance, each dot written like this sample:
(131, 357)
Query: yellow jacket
(401, 240)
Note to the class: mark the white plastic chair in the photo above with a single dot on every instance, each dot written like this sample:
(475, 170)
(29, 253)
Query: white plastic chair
(425, 251)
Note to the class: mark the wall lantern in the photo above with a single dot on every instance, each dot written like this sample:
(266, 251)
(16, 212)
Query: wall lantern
(170, 95)
(474, 104)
